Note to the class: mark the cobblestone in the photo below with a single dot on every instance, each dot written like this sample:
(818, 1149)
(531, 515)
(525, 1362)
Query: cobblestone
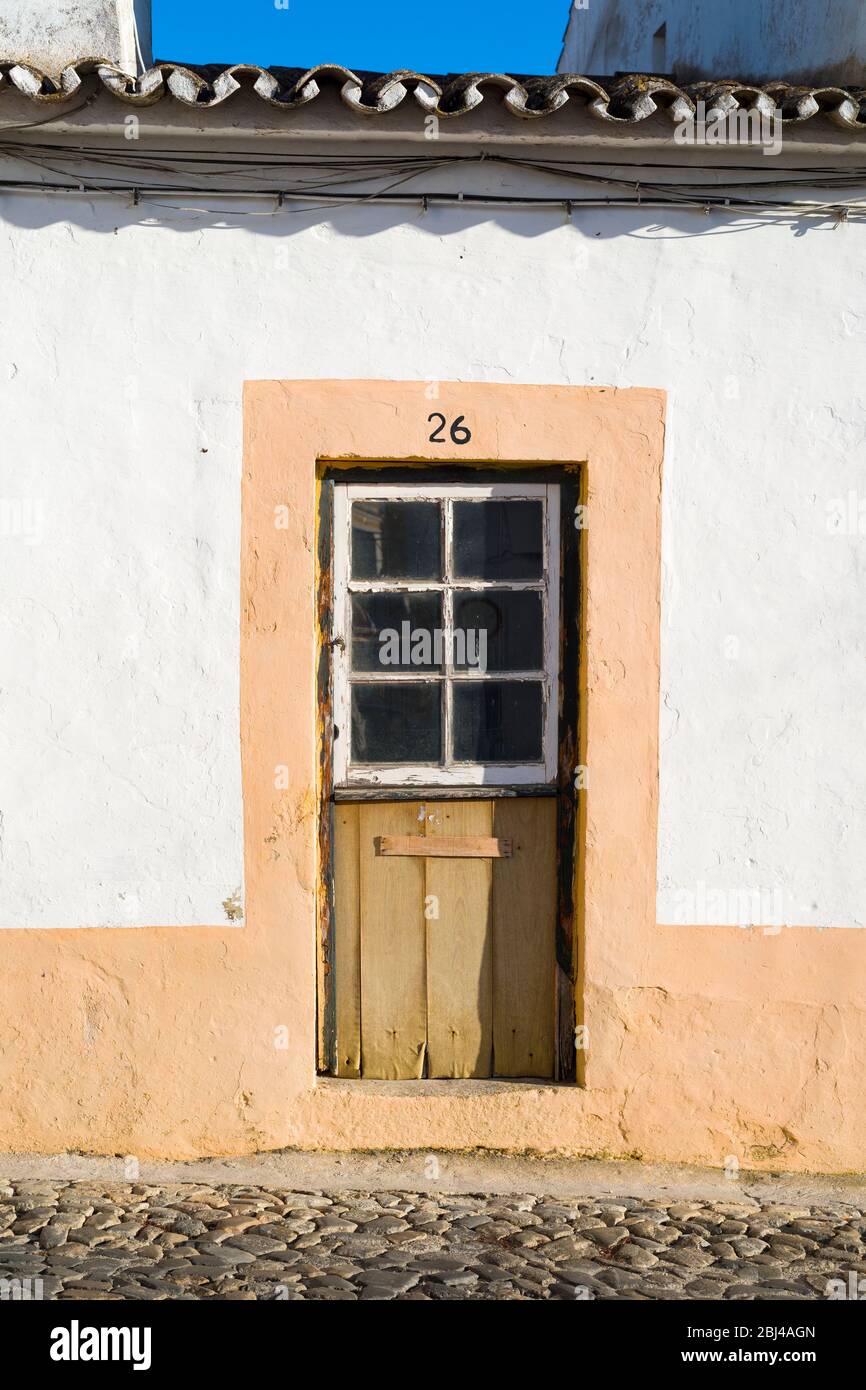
(81, 1240)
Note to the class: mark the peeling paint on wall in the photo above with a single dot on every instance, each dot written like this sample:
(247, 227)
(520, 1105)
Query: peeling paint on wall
(233, 906)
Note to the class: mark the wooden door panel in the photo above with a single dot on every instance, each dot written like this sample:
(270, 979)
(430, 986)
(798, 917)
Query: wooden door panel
(393, 955)
(459, 946)
(467, 987)
(346, 959)
(524, 946)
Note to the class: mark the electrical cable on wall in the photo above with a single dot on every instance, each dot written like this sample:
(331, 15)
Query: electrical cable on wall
(333, 181)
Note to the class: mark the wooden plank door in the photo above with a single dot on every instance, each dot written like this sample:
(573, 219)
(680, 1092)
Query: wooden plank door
(346, 966)
(524, 938)
(393, 947)
(444, 967)
(458, 910)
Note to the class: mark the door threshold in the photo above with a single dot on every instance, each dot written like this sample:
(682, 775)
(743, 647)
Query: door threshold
(444, 1088)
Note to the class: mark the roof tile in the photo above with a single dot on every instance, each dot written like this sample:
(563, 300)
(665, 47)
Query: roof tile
(625, 99)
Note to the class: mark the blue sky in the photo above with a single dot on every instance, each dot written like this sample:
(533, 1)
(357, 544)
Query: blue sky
(448, 36)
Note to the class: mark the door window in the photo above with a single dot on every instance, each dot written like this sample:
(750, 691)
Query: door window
(445, 634)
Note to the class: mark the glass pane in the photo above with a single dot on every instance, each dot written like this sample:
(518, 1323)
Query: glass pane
(396, 540)
(498, 631)
(498, 540)
(396, 632)
(397, 723)
(497, 721)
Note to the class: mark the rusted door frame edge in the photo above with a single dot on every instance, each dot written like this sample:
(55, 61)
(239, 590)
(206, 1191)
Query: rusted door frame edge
(326, 997)
(569, 853)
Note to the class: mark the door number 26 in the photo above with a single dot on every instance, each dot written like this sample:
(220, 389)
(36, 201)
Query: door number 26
(460, 433)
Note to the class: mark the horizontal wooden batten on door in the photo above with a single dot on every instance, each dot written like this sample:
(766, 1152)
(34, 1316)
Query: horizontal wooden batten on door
(444, 847)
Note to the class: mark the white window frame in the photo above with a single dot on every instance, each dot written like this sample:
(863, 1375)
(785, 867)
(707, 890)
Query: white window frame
(347, 775)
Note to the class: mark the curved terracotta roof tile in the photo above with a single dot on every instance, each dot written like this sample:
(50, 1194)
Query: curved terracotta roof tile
(627, 99)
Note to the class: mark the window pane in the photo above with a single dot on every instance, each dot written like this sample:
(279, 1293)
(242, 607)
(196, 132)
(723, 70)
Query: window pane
(396, 540)
(396, 632)
(497, 721)
(498, 540)
(396, 723)
(498, 631)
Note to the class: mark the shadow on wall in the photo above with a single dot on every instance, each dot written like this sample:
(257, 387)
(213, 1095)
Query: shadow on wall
(111, 214)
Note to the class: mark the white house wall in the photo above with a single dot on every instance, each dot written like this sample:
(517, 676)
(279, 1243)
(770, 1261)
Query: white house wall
(127, 334)
(802, 40)
(51, 33)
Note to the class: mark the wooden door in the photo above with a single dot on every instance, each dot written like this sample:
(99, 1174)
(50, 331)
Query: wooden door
(444, 912)
(444, 962)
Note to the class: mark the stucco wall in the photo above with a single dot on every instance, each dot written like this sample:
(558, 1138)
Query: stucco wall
(128, 334)
(122, 425)
(51, 33)
(753, 39)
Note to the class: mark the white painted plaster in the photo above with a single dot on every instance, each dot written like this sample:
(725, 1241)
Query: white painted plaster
(800, 41)
(52, 33)
(126, 337)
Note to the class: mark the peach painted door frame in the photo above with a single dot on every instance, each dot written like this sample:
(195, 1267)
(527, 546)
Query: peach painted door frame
(612, 442)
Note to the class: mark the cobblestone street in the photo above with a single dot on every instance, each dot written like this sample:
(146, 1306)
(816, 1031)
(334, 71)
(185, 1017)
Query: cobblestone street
(98, 1240)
